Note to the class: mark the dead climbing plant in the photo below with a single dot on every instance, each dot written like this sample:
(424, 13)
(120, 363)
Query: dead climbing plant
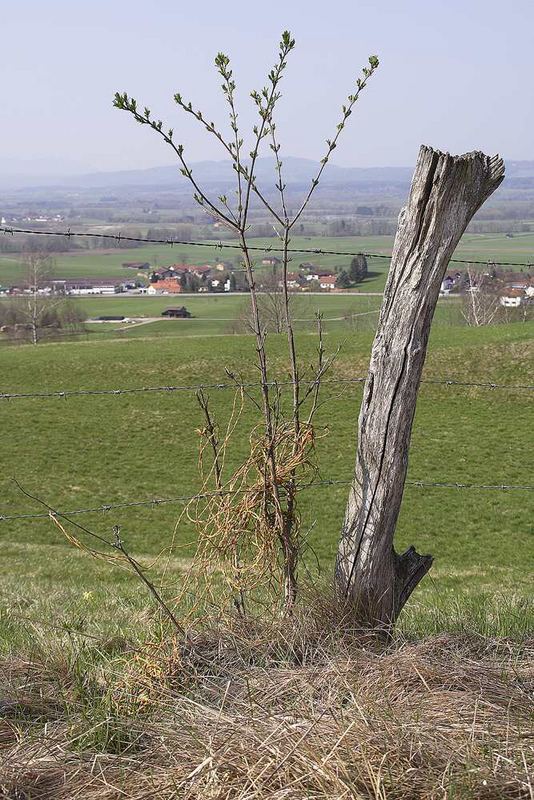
(249, 529)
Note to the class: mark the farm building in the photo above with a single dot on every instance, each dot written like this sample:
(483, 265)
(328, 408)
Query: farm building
(166, 286)
(178, 313)
(81, 286)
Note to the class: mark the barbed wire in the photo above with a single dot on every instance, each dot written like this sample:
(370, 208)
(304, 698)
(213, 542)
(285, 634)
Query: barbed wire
(221, 245)
(157, 502)
(196, 387)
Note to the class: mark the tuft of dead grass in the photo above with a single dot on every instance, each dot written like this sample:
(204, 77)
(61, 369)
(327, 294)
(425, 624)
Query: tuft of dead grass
(283, 710)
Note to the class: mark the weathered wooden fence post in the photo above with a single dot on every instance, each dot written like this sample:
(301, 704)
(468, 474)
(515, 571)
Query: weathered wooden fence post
(445, 194)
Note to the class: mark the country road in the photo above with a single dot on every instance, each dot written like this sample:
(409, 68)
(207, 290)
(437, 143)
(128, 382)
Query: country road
(136, 321)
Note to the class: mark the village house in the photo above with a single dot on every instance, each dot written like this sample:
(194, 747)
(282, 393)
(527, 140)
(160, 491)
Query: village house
(519, 290)
(295, 281)
(163, 273)
(219, 285)
(522, 285)
(446, 285)
(173, 270)
(319, 275)
(270, 261)
(512, 297)
(166, 286)
(200, 271)
(327, 282)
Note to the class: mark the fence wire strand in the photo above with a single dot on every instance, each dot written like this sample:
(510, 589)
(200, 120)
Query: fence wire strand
(157, 502)
(221, 245)
(196, 387)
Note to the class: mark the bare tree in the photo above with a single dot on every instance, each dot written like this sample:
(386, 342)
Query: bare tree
(480, 302)
(272, 302)
(37, 313)
(283, 451)
(445, 194)
(34, 308)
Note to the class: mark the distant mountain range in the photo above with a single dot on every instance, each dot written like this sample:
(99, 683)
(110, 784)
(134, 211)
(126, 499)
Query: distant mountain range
(297, 171)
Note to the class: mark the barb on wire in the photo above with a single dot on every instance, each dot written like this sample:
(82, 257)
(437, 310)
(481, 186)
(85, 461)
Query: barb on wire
(65, 393)
(157, 502)
(118, 237)
(433, 484)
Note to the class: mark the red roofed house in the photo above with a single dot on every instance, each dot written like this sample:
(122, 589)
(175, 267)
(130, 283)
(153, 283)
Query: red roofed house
(166, 286)
(204, 269)
(170, 272)
(512, 297)
(327, 282)
(182, 269)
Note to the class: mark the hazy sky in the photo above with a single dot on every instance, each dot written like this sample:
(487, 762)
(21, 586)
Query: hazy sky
(455, 74)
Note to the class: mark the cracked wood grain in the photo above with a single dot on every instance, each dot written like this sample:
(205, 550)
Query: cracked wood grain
(446, 192)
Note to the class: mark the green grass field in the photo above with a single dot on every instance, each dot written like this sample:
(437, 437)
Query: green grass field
(220, 315)
(227, 314)
(222, 307)
(108, 263)
(87, 451)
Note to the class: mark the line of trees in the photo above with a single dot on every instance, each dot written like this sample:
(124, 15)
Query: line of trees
(356, 273)
(34, 316)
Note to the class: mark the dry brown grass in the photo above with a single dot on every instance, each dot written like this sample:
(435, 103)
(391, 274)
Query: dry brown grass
(280, 711)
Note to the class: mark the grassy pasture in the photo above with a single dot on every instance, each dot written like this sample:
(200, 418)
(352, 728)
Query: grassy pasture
(218, 315)
(87, 451)
(222, 307)
(99, 701)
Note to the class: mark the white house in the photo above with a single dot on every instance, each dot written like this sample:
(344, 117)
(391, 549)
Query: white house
(512, 298)
(327, 282)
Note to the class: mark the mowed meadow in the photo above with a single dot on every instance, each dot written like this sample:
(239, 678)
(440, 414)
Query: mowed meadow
(88, 451)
